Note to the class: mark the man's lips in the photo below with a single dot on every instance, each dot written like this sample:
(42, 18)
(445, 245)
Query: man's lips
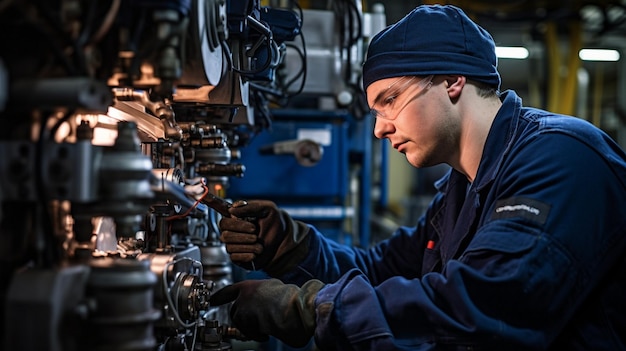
(398, 145)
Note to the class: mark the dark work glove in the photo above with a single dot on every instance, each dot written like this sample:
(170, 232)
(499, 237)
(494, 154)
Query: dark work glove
(261, 236)
(270, 307)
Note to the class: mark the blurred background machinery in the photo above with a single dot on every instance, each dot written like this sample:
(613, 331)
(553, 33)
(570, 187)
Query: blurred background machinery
(130, 126)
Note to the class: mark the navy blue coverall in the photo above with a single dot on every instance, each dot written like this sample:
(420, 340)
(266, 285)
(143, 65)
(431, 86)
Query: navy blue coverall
(531, 255)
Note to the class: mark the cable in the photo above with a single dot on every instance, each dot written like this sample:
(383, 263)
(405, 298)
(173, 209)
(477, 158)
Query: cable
(302, 53)
(283, 89)
(198, 201)
(195, 334)
(302, 73)
(167, 294)
(83, 38)
(354, 34)
(107, 22)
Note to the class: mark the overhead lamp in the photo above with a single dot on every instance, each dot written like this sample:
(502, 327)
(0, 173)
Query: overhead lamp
(512, 52)
(599, 55)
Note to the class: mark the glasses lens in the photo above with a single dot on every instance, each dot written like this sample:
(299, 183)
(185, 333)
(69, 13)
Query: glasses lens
(385, 104)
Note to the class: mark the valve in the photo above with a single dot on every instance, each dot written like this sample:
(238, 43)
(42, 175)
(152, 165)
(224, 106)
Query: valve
(306, 151)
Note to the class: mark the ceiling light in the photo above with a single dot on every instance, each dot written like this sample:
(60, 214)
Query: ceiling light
(512, 52)
(598, 55)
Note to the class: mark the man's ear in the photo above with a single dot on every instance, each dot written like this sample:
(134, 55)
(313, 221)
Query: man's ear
(454, 85)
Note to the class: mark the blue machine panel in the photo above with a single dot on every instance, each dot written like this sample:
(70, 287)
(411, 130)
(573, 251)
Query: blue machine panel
(281, 177)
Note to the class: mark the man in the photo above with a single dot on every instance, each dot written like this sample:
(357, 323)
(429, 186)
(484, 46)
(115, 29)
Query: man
(523, 247)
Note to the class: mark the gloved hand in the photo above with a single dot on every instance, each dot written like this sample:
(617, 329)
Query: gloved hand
(270, 307)
(261, 236)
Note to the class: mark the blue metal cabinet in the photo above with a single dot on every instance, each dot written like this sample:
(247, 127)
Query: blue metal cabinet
(282, 177)
(319, 194)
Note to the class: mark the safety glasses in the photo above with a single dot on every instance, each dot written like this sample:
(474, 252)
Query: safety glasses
(389, 104)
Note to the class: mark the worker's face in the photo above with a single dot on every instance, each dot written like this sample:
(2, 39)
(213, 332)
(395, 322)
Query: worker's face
(416, 116)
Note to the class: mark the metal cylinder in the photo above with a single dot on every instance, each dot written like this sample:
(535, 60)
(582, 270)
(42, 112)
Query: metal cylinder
(125, 190)
(123, 315)
(216, 267)
(216, 263)
(211, 338)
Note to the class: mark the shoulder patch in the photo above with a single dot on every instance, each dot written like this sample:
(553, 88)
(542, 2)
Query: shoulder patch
(521, 207)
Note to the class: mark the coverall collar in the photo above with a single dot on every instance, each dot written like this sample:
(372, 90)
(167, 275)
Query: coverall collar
(499, 140)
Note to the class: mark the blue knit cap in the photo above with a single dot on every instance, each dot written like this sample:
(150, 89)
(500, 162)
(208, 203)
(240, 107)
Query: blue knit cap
(432, 39)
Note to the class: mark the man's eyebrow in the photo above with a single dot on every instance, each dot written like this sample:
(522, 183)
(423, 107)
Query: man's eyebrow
(393, 85)
(380, 95)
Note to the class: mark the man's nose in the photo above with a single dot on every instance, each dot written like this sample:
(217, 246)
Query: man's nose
(382, 128)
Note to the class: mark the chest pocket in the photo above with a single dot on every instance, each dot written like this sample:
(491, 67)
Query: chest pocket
(432, 261)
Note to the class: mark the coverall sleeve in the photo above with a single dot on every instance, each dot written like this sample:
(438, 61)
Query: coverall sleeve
(400, 255)
(519, 281)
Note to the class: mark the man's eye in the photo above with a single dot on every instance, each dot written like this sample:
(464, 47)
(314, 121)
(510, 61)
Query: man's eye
(389, 100)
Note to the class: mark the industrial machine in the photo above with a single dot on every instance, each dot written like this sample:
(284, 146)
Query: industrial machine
(123, 129)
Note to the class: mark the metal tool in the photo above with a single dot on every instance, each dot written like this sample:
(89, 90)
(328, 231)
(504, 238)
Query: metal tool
(218, 204)
(221, 205)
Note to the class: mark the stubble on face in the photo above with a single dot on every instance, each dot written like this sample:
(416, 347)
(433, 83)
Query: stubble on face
(435, 137)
